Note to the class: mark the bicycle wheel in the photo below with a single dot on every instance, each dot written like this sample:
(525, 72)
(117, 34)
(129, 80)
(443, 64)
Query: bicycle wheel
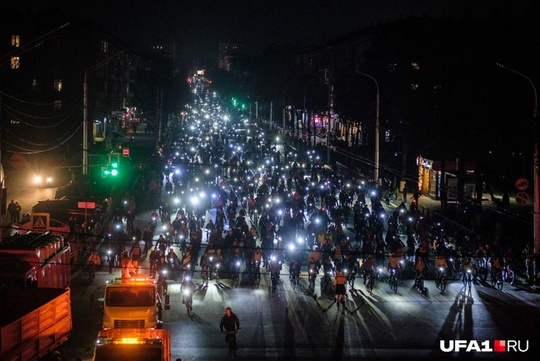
(393, 284)
(510, 276)
(482, 274)
(442, 284)
(499, 283)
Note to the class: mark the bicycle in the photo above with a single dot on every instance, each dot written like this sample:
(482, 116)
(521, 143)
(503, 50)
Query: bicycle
(312, 276)
(326, 282)
(188, 300)
(235, 276)
(497, 279)
(162, 283)
(481, 271)
(369, 282)
(419, 283)
(441, 281)
(294, 275)
(255, 273)
(393, 280)
(467, 278)
(274, 278)
(215, 272)
(351, 276)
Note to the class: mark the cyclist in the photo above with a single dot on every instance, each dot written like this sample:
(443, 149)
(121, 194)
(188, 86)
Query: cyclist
(187, 287)
(257, 257)
(467, 267)
(312, 272)
(230, 324)
(294, 269)
(368, 267)
(440, 265)
(328, 272)
(154, 258)
(496, 267)
(393, 263)
(205, 268)
(339, 284)
(135, 255)
(420, 266)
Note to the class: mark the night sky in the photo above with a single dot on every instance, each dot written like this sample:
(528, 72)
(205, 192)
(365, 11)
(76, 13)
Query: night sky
(197, 26)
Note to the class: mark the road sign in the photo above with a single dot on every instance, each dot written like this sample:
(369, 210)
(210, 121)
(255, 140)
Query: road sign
(522, 198)
(86, 205)
(40, 221)
(522, 184)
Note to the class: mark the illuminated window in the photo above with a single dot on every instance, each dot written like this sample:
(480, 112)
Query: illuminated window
(415, 66)
(15, 41)
(15, 62)
(58, 85)
(57, 104)
(104, 46)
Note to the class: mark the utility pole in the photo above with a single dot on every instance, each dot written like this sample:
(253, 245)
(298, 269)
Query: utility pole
(536, 176)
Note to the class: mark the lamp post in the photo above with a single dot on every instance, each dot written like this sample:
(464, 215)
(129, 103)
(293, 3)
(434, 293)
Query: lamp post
(85, 110)
(536, 176)
(377, 145)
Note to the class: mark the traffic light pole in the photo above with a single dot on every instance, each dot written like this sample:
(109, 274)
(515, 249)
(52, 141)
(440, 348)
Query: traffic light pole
(85, 110)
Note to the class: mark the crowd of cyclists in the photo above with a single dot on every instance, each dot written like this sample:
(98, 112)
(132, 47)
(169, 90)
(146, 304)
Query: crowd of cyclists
(237, 206)
(297, 212)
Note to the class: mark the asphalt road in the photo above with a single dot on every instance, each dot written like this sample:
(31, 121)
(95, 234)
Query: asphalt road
(289, 323)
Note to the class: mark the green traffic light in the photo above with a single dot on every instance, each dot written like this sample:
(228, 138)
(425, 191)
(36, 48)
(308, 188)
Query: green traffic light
(114, 172)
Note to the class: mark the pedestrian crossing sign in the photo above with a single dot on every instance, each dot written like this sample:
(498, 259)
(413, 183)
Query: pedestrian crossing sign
(40, 221)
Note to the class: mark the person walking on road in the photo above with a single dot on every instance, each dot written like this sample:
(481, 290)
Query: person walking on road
(12, 211)
(230, 324)
(18, 210)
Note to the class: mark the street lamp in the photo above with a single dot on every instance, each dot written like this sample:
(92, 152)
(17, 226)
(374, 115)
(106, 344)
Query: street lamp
(377, 151)
(85, 110)
(535, 174)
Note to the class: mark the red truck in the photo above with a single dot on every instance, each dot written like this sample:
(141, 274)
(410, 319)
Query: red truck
(34, 322)
(35, 259)
(133, 344)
